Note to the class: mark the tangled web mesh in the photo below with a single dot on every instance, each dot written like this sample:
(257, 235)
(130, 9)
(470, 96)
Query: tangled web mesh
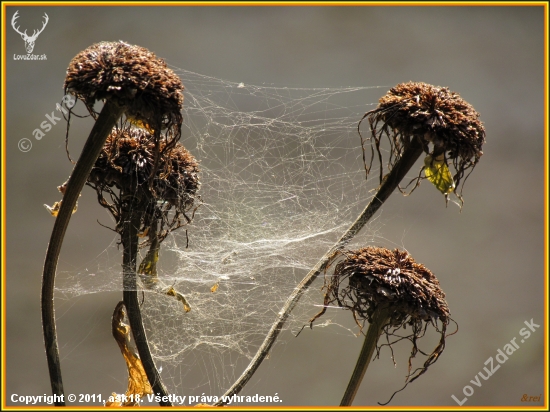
(282, 177)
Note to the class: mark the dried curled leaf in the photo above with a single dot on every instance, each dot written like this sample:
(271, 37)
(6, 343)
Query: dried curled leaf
(173, 292)
(138, 384)
(148, 272)
(54, 209)
(148, 265)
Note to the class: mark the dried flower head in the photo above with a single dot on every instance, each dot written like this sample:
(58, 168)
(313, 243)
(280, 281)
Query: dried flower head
(376, 276)
(127, 162)
(447, 126)
(371, 278)
(151, 93)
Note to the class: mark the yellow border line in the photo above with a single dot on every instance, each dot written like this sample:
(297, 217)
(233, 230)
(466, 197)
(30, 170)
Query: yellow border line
(275, 4)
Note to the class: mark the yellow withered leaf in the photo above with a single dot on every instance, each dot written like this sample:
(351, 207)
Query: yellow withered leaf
(437, 172)
(148, 265)
(173, 292)
(138, 384)
(141, 124)
(214, 288)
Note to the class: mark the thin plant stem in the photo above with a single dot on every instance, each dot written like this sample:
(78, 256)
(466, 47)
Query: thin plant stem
(107, 119)
(380, 319)
(410, 155)
(131, 221)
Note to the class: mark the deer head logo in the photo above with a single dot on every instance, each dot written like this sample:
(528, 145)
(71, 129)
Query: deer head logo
(29, 40)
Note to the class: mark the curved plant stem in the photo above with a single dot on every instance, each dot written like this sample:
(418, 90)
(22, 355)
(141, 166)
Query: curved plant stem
(398, 172)
(102, 127)
(131, 221)
(380, 318)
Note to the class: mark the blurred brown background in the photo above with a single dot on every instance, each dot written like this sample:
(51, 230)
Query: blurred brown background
(489, 258)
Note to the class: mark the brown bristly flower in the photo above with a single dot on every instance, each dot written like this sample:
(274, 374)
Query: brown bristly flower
(448, 127)
(151, 93)
(371, 278)
(378, 275)
(126, 162)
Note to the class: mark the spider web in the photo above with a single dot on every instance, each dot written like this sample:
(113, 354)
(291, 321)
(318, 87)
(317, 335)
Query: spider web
(282, 177)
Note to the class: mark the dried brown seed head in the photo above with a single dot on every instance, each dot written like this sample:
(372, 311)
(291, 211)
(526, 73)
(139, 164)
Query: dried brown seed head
(447, 126)
(151, 92)
(436, 114)
(377, 276)
(127, 162)
(378, 279)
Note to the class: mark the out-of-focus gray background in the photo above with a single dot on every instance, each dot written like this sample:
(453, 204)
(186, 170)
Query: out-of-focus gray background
(489, 258)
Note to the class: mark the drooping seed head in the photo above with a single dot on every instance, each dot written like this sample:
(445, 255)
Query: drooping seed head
(132, 75)
(436, 114)
(372, 278)
(377, 275)
(447, 126)
(127, 162)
